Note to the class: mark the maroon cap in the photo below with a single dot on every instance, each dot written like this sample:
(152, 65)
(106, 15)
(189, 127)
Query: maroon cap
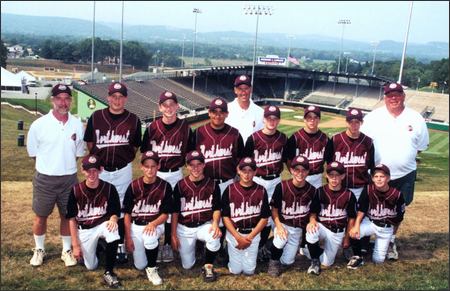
(300, 161)
(91, 161)
(247, 162)
(195, 155)
(149, 155)
(354, 113)
(117, 87)
(166, 95)
(336, 166)
(312, 108)
(383, 168)
(393, 87)
(218, 103)
(61, 88)
(272, 110)
(242, 79)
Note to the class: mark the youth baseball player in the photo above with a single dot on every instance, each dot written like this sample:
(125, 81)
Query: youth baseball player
(93, 211)
(114, 135)
(245, 211)
(196, 216)
(168, 136)
(333, 208)
(290, 212)
(146, 206)
(384, 206)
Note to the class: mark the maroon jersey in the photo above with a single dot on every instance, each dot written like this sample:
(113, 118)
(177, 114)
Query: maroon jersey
(221, 149)
(245, 206)
(311, 146)
(145, 202)
(293, 203)
(357, 156)
(115, 137)
(382, 207)
(268, 152)
(196, 201)
(169, 141)
(333, 208)
(91, 206)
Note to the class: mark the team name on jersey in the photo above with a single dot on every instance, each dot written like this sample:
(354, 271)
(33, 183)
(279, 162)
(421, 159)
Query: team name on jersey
(195, 205)
(165, 149)
(295, 211)
(111, 138)
(331, 213)
(269, 157)
(380, 212)
(147, 209)
(90, 212)
(216, 152)
(351, 159)
(312, 155)
(245, 211)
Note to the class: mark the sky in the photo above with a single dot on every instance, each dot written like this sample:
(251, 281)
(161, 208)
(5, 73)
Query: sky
(370, 20)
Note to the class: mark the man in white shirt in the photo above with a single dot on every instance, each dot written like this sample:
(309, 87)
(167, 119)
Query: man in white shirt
(243, 113)
(399, 134)
(55, 141)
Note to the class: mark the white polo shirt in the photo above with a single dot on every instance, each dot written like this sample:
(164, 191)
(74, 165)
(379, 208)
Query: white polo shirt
(396, 139)
(246, 121)
(56, 145)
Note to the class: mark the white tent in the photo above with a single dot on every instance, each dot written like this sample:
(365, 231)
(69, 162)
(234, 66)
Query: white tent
(30, 79)
(10, 81)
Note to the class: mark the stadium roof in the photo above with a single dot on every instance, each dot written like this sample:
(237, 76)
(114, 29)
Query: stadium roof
(9, 79)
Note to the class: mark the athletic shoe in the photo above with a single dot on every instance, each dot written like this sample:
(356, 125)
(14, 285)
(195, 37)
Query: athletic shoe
(167, 254)
(208, 273)
(392, 253)
(355, 262)
(263, 254)
(38, 257)
(315, 267)
(160, 251)
(68, 258)
(305, 252)
(153, 276)
(111, 280)
(348, 253)
(274, 268)
(121, 257)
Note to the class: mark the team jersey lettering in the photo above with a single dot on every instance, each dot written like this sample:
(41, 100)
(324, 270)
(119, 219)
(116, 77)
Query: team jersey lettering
(380, 212)
(164, 149)
(313, 157)
(195, 205)
(269, 157)
(90, 212)
(295, 211)
(216, 152)
(351, 159)
(245, 210)
(146, 209)
(112, 139)
(332, 213)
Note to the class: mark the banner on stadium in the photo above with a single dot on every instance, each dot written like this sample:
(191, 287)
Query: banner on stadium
(272, 60)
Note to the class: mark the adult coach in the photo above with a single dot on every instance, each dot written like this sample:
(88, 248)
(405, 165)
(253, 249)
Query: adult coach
(399, 134)
(244, 114)
(114, 135)
(55, 142)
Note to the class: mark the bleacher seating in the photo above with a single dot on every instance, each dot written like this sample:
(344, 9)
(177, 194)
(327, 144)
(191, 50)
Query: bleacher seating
(419, 101)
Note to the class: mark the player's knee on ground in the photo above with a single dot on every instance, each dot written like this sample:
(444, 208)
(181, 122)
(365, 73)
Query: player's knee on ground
(213, 244)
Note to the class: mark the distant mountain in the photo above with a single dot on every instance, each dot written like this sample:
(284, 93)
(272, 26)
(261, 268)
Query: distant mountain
(59, 26)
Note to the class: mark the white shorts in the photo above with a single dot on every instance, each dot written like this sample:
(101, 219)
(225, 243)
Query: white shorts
(289, 245)
(332, 242)
(242, 261)
(142, 242)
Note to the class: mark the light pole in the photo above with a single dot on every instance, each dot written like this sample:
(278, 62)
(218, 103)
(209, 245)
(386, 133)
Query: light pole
(182, 51)
(343, 22)
(256, 10)
(375, 45)
(404, 45)
(92, 46)
(286, 89)
(196, 11)
(121, 47)
(346, 60)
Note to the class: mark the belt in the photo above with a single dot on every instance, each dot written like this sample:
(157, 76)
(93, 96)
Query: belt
(337, 230)
(244, 230)
(169, 170)
(380, 224)
(193, 224)
(269, 177)
(89, 226)
(113, 169)
(140, 222)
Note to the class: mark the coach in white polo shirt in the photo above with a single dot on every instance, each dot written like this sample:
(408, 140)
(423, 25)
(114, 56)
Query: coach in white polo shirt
(399, 134)
(243, 113)
(55, 140)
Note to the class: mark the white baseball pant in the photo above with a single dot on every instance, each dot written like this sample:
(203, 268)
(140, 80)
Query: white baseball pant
(269, 185)
(172, 178)
(289, 245)
(143, 241)
(89, 240)
(222, 187)
(315, 180)
(357, 192)
(121, 179)
(242, 261)
(382, 238)
(332, 242)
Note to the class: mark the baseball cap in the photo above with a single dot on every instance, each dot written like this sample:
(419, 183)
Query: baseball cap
(90, 162)
(166, 95)
(312, 108)
(242, 79)
(61, 88)
(117, 87)
(218, 103)
(247, 162)
(272, 110)
(336, 166)
(383, 168)
(354, 113)
(300, 161)
(195, 155)
(149, 155)
(393, 87)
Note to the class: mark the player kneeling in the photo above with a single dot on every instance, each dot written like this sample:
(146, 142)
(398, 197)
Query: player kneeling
(384, 207)
(146, 206)
(290, 212)
(245, 211)
(196, 215)
(93, 210)
(333, 208)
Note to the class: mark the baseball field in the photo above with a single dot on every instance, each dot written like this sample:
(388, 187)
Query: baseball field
(423, 239)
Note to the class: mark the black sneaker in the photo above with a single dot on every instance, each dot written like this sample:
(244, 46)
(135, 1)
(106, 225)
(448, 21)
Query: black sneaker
(121, 257)
(208, 273)
(111, 280)
(315, 267)
(274, 268)
(355, 262)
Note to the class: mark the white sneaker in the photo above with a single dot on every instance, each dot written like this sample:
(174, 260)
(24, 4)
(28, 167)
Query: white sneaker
(38, 257)
(153, 276)
(392, 252)
(68, 258)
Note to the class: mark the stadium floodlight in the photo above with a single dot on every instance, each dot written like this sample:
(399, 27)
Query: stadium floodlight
(346, 60)
(121, 47)
(196, 11)
(343, 22)
(375, 45)
(92, 46)
(182, 51)
(256, 9)
(405, 44)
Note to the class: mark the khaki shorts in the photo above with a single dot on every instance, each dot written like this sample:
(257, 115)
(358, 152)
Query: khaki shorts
(48, 190)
